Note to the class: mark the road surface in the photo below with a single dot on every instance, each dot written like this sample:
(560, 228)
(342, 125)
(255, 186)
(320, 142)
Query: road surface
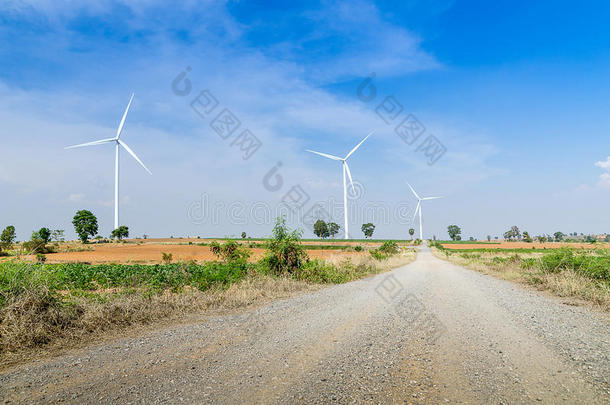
(428, 332)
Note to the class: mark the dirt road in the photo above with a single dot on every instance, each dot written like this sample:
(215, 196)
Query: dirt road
(429, 332)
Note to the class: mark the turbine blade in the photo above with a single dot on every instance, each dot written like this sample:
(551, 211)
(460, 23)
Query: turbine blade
(416, 196)
(100, 142)
(415, 213)
(431, 198)
(118, 132)
(326, 155)
(357, 146)
(349, 174)
(128, 149)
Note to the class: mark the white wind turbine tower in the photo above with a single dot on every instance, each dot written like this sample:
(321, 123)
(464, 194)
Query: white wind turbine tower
(418, 209)
(345, 168)
(117, 142)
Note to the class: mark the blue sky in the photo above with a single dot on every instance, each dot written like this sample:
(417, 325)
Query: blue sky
(516, 92)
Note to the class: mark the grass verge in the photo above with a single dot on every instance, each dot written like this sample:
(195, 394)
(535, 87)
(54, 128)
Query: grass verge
(566, 272)
(45, 306)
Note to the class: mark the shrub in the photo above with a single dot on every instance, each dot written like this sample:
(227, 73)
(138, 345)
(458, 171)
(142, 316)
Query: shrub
(41, 258)
(389, 247)
(592, 264)
(230, 251)
(167, 257)
(358, 248)
(285, 254)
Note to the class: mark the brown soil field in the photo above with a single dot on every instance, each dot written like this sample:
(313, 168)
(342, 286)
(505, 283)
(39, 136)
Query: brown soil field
(522, 245)
(208, 240)
(151, 252)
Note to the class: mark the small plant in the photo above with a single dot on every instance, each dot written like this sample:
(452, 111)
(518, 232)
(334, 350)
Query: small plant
(243, 235)
(167, 257)
(230, 251)
(285, 254)
(389, 247)
(358, 248)
(41, 258)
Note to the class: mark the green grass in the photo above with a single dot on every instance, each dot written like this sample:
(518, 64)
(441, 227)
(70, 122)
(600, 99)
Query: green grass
(592, 264)
(465, 242)
(322, 240)
(510, 250)
(18, 277)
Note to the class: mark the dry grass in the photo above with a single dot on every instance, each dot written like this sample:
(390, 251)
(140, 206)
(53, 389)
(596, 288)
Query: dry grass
(566, 284)
(41, 323)
(405, 257)
(38, 324)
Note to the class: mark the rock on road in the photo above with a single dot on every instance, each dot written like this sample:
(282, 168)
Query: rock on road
(428, 332)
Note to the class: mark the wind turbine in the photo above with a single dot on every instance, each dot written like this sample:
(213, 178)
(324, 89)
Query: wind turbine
(117, 142)
(418, 209)
(345, 169)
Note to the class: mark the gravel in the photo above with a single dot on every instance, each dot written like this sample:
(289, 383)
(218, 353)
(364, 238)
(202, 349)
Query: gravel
(428, 332)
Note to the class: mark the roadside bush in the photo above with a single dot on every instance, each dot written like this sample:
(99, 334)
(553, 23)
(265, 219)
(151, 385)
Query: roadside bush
(36, 244)
(230, 251)
(389, 247)
(592, 264)
(358, 248)
(285, 253)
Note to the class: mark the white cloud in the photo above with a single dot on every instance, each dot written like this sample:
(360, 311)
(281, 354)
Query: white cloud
(604, 180)
(76, 197)
(604, 164)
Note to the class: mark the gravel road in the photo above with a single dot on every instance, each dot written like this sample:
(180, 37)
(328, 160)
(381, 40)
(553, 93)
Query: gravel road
(428, 332)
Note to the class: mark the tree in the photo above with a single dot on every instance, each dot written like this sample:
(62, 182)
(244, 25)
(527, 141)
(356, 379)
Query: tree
(558, 236)
(454, 232)
(243, 235)
(85, 224)
(7, 238)
(320, 229)
(44, 234)
(488, 238)
(411, 232)
(368, 229)
(58, 235)
(526, 236)
(333, 229)
(514, 230)
(120, 233)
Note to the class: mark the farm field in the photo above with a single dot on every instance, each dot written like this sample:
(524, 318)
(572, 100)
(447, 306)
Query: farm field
(520, 245)
(151, 252)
